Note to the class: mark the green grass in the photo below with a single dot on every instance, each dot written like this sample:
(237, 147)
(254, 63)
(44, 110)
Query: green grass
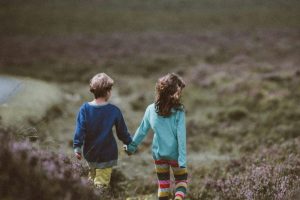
(239, 58)
(94, 17)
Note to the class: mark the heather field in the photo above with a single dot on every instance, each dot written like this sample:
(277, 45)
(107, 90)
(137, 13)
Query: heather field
(240, 59)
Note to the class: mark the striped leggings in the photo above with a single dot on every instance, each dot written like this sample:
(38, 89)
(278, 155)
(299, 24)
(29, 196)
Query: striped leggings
(163, 174)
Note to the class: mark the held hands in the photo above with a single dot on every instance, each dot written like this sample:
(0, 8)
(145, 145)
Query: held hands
(130, 148)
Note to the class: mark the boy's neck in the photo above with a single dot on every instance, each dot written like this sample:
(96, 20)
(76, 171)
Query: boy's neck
(100, 100)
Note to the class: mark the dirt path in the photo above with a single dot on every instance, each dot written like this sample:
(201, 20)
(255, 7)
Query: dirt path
(24, 101)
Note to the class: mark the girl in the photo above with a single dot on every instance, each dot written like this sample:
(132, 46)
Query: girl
(166, 117)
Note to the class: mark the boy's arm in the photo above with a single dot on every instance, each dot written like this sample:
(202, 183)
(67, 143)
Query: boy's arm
(80, 131)
(181, 138)
(121, 129)
(140, 133)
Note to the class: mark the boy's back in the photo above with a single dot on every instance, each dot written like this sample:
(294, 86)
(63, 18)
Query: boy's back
(93, 131)
(95, 122)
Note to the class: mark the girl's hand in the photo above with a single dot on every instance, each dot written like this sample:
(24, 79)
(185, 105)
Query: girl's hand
(131, 148)
(78, 155)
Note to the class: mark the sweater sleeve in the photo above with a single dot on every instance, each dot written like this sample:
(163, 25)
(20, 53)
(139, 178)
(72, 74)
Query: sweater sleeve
(141, 132)
(181, 138)
(121, 129)
(80, 130)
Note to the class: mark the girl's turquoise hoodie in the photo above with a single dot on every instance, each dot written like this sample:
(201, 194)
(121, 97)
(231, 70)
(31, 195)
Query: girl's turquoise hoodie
(169, 140)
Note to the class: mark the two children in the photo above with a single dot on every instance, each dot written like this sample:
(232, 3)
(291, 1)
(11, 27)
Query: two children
(166, 117)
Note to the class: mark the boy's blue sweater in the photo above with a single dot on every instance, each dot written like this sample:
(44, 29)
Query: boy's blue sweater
(94, 132)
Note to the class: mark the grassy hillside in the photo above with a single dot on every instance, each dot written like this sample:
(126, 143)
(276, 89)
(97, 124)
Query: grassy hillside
(96, 16)
(43, 39)
(240, 60)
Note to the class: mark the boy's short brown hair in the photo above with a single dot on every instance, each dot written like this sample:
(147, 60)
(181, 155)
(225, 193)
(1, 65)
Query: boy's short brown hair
(100, 85)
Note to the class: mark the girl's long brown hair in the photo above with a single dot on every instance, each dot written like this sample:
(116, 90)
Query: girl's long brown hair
(168, 93)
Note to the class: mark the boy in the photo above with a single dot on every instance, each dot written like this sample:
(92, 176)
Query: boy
(93, 131)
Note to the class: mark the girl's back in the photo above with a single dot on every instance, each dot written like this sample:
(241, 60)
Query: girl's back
(166, 118)
(165, 139)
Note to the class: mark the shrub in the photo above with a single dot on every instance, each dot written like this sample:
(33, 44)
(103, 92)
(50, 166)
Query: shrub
(266, 174)
(237, 114)
(29, 173)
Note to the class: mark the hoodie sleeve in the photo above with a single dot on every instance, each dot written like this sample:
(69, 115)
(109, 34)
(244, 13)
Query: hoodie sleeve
(181, 138)
(80, 130)
(141, 132)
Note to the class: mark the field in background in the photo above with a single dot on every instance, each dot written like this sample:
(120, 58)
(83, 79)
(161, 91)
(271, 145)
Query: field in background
(98, 16)
(44, 38)
(239, 58)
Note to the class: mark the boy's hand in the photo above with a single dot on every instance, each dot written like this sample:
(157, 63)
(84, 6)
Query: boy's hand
(78, 155)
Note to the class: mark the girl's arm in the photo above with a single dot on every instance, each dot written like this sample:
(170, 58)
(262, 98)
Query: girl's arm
(181, 138)
(80, 131)
(140, 133)
(121, 129)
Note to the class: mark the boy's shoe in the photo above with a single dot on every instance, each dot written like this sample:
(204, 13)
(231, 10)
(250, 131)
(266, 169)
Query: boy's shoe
(91, 175)
(178, 198)
(103, 190)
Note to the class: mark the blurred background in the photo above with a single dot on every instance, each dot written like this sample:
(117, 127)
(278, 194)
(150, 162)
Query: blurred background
(240, 59)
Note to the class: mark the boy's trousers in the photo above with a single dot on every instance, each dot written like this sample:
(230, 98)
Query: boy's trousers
(100, 177)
